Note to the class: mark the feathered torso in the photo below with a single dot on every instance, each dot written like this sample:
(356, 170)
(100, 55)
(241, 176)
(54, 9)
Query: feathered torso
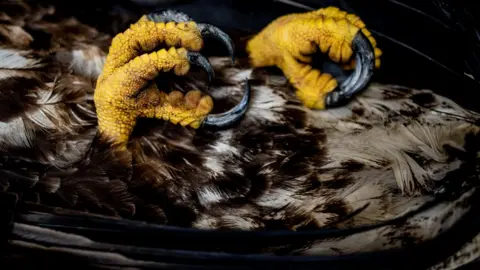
(388, 153)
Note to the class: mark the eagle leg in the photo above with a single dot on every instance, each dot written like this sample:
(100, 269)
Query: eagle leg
(289, 41)
(125, 90)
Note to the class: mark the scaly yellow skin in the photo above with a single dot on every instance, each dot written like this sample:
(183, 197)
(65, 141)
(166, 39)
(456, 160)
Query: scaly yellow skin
(124, 90)
(291, 38)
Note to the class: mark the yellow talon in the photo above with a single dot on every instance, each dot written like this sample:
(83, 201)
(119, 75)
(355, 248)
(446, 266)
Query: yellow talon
(124, 90)
(292, 38)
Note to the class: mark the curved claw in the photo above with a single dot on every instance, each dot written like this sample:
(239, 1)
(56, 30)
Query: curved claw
(197, 59)
(230, 117)
(209, 30)
(206, 30)
(365, 63)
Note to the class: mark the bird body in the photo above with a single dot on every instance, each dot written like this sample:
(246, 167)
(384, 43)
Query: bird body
(392, 153)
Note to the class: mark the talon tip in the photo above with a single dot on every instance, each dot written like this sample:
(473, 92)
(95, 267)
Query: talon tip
(232, 116)
(359, 79)
(334, 99)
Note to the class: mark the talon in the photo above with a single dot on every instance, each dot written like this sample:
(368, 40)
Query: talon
(289, 41)
(125, 89)
(232, 116)
(206, 30)
(199, 60)
(209, 30)
(365, 63)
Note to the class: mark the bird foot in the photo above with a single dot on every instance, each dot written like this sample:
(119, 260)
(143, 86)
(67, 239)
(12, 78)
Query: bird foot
(289, 41)
(125, 90)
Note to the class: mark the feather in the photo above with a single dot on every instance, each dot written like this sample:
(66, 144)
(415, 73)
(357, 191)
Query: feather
(394, 169)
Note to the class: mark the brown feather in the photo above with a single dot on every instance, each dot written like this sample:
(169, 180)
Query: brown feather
(283, 167)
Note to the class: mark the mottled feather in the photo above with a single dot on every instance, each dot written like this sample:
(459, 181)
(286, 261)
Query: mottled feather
(391, 151)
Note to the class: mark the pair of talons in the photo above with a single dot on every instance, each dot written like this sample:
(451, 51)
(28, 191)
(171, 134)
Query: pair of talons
(125, 90)
(364, 67)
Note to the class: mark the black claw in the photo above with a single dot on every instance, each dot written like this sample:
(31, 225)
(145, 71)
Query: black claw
(365, 63)
(197, 59)
(230, 117)
(209, 30)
